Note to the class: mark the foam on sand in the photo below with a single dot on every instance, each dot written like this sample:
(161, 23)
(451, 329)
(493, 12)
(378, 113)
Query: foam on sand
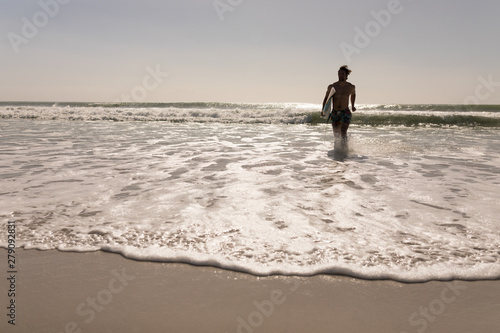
(405, 204)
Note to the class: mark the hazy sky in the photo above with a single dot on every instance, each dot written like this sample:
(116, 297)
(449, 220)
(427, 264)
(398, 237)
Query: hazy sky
(420, 51)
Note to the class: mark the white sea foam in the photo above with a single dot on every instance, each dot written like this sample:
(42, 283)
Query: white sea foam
(405, 204)
(279, 113)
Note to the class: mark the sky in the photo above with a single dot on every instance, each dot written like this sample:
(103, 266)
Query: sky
(254, 51)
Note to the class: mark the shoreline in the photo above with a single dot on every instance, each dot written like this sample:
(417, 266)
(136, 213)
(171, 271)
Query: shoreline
(105, 292)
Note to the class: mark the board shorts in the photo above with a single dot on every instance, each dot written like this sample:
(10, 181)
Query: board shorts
(342, 116)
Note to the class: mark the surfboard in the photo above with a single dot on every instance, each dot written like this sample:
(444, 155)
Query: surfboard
(329, 104)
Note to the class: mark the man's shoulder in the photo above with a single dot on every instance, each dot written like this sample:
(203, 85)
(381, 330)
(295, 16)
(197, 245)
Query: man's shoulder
(351, 86)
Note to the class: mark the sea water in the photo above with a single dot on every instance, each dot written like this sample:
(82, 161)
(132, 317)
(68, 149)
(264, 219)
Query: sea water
(255, 188)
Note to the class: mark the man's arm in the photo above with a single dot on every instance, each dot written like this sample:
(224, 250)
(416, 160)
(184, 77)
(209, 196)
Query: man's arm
(353, 98)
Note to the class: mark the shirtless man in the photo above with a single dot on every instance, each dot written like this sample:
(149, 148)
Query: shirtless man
(341, 115)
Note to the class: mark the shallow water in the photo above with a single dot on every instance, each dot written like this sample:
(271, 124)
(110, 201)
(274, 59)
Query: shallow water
(410, 204)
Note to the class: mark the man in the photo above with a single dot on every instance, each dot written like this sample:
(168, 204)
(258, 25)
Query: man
(341, 115)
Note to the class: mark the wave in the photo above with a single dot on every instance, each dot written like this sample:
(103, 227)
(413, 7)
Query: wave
(438, 272)
(422, 120)
(434, 107)
(221, 105)
(179, 105)
(263, 113)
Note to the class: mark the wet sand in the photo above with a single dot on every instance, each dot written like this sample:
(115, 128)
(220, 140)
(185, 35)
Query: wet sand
(103, 292)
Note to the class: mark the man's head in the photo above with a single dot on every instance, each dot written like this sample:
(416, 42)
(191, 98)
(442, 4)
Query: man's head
(344, 73)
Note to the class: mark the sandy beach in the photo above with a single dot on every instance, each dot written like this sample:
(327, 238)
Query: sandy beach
(103, 292)
(233, 166)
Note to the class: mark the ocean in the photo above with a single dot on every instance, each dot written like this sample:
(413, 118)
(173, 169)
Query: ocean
(258, 188)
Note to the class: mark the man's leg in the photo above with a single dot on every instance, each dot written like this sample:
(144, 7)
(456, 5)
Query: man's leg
(343, 133)
(338, 136)
(336, 130)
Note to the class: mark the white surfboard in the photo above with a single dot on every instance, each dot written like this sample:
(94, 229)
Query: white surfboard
(329, 104)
